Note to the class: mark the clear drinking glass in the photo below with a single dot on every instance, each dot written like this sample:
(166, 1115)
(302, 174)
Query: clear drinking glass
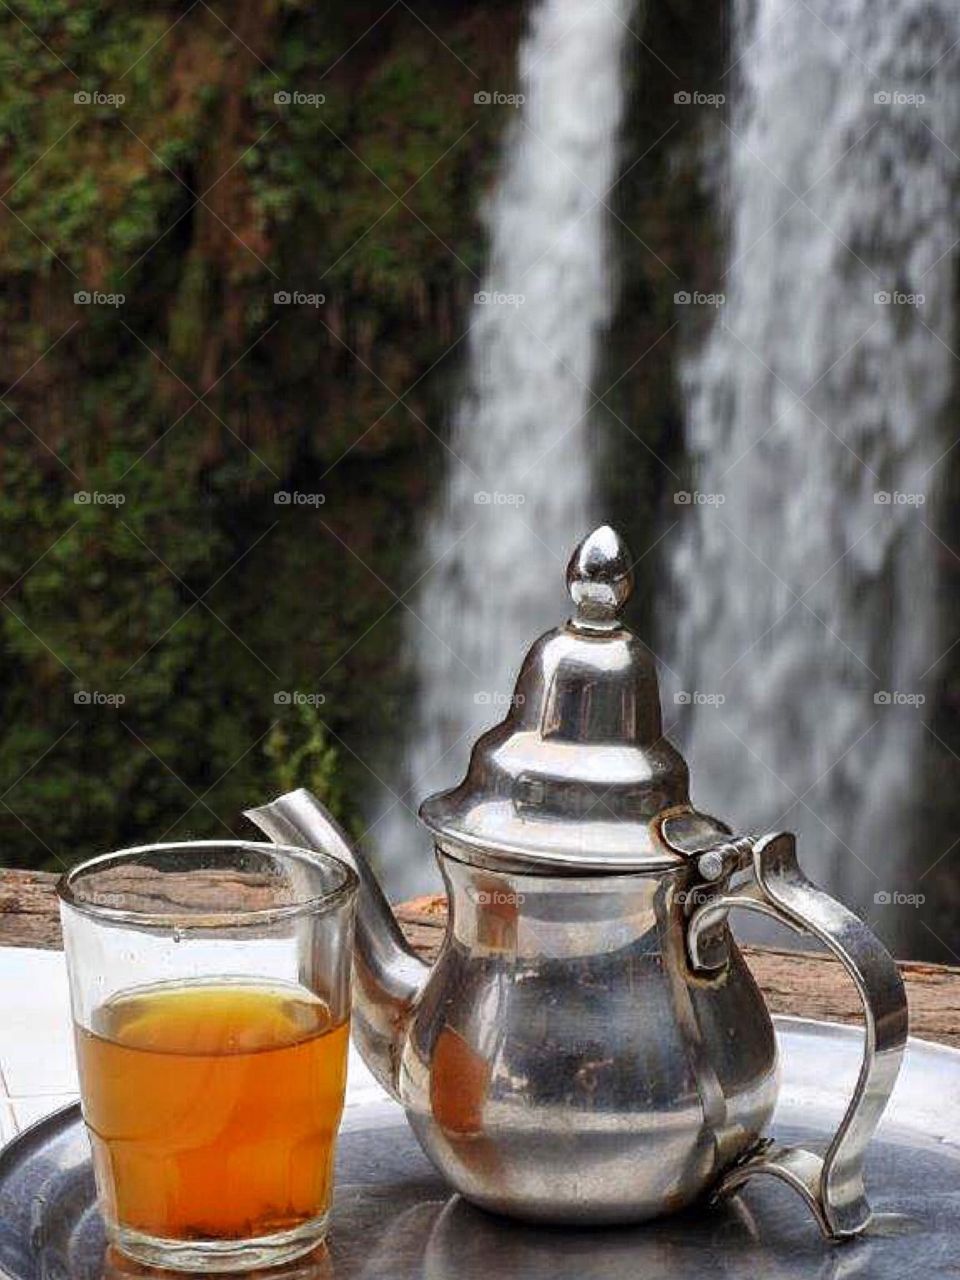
(210, 985)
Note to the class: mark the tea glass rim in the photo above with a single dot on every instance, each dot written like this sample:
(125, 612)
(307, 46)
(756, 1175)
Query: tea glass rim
(235, 918)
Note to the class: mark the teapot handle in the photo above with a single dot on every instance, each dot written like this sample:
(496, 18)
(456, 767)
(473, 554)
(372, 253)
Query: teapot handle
(832, 1184)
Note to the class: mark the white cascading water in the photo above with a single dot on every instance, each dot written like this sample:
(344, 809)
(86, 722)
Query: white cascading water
(519, 487)
(804, 595)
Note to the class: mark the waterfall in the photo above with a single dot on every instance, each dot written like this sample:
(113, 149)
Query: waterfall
(518, 493)
(805, 624)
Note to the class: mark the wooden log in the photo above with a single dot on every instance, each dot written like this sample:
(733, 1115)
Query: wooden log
(804, 983)
(29, 915)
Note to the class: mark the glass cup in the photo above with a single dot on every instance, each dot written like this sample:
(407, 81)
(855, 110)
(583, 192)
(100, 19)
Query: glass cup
(210, 985)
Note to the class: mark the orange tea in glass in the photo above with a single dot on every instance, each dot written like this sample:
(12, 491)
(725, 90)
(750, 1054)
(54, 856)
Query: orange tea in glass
(210, 990)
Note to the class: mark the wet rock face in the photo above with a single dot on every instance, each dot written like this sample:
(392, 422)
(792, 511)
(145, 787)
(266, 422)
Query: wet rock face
(261, 302)
(276, 234)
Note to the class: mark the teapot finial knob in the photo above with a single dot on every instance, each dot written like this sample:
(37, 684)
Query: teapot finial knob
(600, 578)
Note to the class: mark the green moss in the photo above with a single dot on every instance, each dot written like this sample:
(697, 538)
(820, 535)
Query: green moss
(197, 599)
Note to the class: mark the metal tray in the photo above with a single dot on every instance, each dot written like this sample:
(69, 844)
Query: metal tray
(395, 1219)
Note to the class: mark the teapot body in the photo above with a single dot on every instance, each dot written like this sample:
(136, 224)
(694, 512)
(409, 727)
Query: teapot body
(563, 1063)
(590, 1046)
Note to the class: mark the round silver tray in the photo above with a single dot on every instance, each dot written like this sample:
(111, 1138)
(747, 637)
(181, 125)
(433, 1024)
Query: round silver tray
(395, 1219)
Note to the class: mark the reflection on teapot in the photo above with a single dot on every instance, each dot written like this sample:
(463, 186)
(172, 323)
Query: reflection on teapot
(590, 1046)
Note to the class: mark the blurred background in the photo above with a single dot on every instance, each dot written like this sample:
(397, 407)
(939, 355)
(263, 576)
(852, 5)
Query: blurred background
(330, 330)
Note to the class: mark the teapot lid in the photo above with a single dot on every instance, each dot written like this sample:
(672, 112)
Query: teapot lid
(575, 775)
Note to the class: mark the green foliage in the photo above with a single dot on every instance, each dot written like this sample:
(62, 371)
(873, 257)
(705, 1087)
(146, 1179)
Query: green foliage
(303, 756)
(183, 598)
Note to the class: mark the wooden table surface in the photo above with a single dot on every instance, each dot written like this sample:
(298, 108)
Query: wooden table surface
(808, 984)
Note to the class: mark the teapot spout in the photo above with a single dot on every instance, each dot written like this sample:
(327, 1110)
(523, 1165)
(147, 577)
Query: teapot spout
(388, 975)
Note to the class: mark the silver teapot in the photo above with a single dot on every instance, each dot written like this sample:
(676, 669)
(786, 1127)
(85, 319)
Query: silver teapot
(590, 1046)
